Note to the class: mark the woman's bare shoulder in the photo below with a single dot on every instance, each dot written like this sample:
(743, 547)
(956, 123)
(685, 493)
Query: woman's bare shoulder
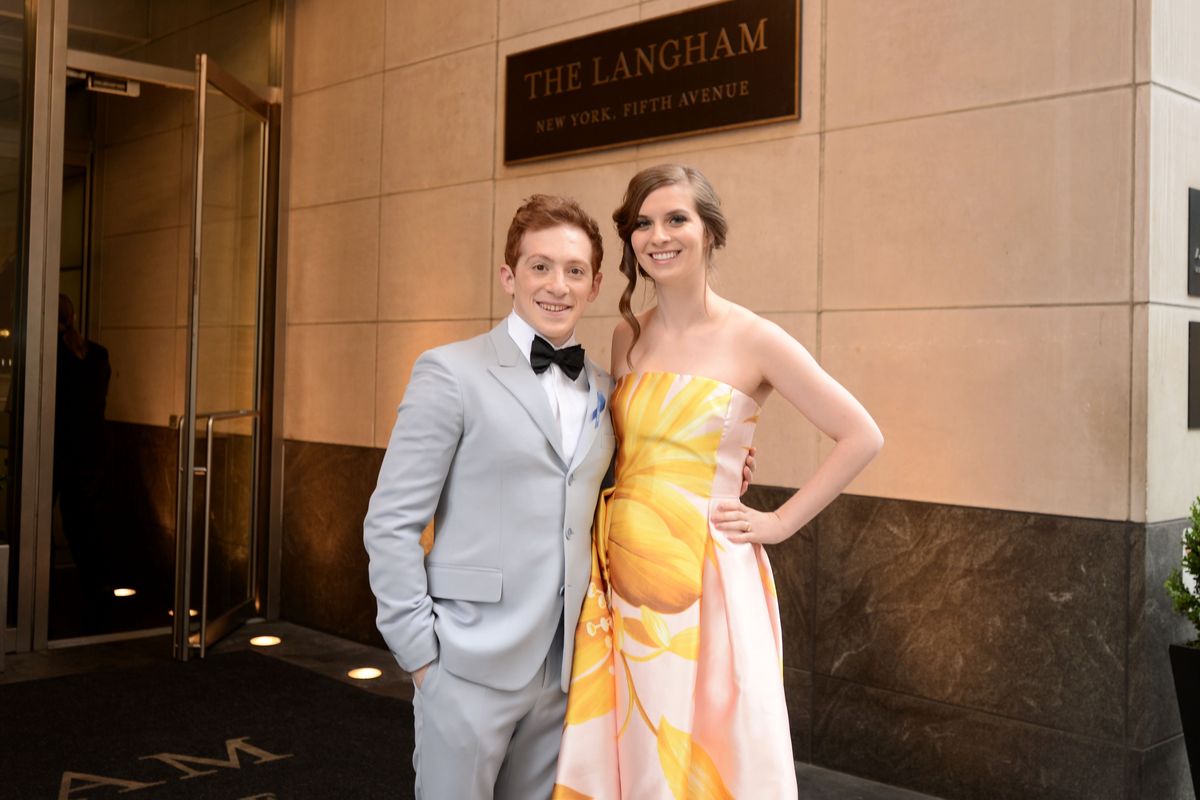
(622, 340)
(745, 323)
(624, 330)
(763, 341)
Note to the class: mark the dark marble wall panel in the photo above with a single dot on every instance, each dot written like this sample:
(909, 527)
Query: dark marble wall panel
(969, 653)
(1021, 615)
(324, 565)
(1153, 625)
(1163, 773)
(953, 752)
(140, 499)
(792, 563)
(143, 459)
(231, 522)
(797, 685)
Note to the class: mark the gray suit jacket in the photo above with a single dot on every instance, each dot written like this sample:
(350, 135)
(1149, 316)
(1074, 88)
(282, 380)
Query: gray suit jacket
(476, 448)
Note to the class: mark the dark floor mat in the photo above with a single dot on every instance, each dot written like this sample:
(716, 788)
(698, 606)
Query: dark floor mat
(233, 726)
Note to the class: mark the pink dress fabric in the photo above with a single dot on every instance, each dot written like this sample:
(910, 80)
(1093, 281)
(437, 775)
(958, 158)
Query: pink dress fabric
(677, 684)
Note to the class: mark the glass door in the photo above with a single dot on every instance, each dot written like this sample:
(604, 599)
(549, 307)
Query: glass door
(221, 427)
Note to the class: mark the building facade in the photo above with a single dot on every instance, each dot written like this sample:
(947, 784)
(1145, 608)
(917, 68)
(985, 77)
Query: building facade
(978, 225)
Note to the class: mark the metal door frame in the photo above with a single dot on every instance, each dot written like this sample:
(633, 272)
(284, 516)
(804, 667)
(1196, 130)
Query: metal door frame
(48, 60)
(209, 73)
(46, 25)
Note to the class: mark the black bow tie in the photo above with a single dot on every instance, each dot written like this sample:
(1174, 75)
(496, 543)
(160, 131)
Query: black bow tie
(569, 359)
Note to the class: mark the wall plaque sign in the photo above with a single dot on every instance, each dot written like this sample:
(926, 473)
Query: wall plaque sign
(1193, 402)
(715, 67)
(1194, 242)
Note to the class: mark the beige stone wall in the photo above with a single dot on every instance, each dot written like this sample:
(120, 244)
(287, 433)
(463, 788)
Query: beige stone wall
(237, 33)
(1168, 163)
(953, 227)
(142, 210)
(144, 159)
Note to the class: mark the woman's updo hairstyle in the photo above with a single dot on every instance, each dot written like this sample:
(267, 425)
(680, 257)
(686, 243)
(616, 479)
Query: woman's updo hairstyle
(708, 207)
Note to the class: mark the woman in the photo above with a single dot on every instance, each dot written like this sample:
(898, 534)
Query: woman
(677, 687)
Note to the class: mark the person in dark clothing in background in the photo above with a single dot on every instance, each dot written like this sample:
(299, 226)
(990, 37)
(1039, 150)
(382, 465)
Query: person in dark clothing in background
(79, 458)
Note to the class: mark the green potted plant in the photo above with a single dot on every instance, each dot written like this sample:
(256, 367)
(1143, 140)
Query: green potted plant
(1185, 658)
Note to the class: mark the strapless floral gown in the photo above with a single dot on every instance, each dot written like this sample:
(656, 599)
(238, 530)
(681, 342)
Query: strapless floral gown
(677, 685)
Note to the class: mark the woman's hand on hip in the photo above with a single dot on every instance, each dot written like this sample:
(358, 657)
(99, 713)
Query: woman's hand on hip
(742, 524)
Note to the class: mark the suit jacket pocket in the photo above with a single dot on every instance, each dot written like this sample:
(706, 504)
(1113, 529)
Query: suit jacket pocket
(452, 582)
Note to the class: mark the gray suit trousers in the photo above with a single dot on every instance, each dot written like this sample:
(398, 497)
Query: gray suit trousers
(474, 742)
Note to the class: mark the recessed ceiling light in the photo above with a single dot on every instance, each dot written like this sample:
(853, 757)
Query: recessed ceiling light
(364, 673)
(265, 641)
(124, 592)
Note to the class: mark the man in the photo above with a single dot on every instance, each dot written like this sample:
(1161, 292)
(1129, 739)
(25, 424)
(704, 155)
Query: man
(503, 441)
(79, 462)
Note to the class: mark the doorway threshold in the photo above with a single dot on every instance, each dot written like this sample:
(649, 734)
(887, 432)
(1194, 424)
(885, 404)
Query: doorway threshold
(103, 638)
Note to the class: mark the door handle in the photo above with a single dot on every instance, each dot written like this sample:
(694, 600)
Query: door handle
(206, 473)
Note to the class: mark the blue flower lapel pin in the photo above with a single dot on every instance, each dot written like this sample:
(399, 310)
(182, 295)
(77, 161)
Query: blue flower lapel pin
(598, 410)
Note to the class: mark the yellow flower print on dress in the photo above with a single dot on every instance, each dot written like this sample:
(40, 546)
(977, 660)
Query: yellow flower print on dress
(593, 692)
(657, 536)
(694, 707)
(688, 768)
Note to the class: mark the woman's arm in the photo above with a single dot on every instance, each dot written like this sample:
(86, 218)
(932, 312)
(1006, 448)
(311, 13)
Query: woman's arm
(799, 379)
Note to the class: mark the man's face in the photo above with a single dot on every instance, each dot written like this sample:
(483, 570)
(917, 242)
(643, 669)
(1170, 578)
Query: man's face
(552, 281)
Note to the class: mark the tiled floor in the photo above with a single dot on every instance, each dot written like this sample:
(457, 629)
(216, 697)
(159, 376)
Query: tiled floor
(334, 657)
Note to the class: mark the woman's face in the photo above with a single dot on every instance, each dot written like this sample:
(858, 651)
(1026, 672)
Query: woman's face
(668, 236)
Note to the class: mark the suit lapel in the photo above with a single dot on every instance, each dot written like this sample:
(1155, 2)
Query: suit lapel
(513, 371)
(598, 386)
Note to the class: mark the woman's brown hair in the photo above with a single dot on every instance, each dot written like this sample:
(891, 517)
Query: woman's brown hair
(708, 207)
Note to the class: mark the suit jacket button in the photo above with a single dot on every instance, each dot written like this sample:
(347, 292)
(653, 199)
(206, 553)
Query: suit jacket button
(570, 533)
(561, 590)
(571, 479)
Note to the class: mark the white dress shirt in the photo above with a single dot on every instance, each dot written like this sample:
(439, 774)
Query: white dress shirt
(568, 398)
